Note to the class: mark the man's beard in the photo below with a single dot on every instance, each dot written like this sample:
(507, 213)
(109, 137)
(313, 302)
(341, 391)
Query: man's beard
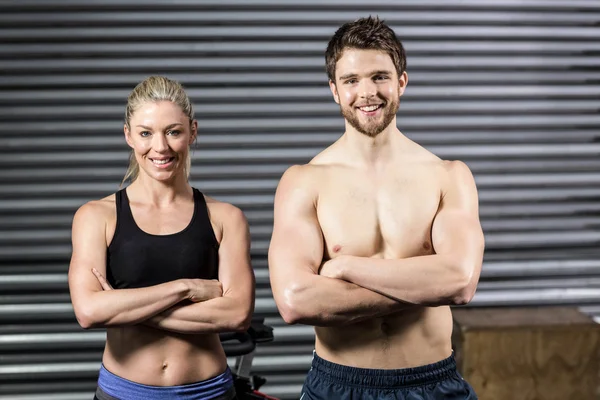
(372, 129)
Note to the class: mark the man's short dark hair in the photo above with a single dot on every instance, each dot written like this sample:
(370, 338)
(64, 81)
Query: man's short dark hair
(364, 34)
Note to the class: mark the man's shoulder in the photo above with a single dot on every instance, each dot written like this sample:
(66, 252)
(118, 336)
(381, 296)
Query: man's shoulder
(448, 173)
(430, 161)
(458, 177)
(457, 170)
(303, 176)
(312, 172)
(415, 153)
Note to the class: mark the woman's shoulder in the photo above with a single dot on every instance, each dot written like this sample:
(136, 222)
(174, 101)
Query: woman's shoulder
(222, 210)
(225, 215)
(96, 211)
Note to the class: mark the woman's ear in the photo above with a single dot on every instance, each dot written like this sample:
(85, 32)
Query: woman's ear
(194, 132)
(127, 135)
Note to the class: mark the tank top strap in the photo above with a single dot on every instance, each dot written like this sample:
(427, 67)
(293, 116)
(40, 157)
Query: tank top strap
(119, 203)
(124, 215)
(202, 215)
(120, 199)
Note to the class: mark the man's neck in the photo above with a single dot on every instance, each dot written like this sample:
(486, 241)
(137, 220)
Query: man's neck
(373, 151)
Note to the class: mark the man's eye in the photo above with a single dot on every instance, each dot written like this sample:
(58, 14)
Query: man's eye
(144, 133)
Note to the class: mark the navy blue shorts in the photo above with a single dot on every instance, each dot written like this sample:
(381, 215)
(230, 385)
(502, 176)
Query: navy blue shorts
(441, 380)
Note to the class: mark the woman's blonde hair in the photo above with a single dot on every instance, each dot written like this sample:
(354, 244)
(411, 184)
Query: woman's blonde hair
(154, 89)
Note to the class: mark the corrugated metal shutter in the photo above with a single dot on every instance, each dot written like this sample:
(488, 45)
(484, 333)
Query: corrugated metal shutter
(510, 87)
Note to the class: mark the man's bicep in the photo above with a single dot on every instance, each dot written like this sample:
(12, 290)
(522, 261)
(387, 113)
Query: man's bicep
(456, 228)
(457, 234)
(296, 245)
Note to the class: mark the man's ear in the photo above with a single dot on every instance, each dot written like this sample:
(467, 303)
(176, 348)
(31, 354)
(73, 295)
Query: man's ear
(127, 136)
(334, 91)
(402, 82)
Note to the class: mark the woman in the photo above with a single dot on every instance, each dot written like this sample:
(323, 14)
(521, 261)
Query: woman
(161, 266)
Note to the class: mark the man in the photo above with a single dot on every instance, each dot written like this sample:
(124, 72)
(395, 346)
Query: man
(375, 238)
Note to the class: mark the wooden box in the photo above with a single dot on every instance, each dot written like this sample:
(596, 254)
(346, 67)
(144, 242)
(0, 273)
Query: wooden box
(529, 353)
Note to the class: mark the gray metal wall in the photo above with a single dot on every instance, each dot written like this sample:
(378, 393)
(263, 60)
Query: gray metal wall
(511, 87)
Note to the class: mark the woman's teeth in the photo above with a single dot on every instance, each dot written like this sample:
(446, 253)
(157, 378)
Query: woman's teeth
(161, 162)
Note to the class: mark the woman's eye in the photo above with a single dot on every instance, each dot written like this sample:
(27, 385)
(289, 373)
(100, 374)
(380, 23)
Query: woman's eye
(174, 132)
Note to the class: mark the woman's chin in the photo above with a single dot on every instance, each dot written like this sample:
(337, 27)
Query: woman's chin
(163, 176)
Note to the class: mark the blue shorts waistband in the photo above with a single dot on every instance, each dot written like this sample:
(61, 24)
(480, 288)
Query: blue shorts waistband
(124, 389)
(385, 378)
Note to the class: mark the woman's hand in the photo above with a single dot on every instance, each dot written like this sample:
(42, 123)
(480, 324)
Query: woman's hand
(103, 282)
(203, 289)
(198, 289)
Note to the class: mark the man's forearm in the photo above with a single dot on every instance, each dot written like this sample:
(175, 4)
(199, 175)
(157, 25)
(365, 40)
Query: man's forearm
(427, 280)
(323, 301)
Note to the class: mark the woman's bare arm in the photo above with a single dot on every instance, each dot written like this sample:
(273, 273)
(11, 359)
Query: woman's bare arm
(95, 307)
(233, 310)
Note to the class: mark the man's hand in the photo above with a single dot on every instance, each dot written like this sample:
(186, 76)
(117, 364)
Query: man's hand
(334, 268)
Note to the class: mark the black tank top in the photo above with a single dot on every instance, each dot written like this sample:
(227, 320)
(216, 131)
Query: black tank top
(138, 259)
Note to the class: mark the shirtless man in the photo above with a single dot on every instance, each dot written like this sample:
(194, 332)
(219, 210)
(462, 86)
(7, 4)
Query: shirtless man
(375, 238)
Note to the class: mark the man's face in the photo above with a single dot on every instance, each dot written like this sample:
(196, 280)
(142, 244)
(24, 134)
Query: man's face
(368, 89)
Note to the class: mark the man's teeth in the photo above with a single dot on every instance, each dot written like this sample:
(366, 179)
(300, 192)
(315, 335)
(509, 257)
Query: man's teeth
(162, 161)
(369, 108)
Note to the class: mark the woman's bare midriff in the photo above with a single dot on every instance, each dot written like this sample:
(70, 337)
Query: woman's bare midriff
(408, 339)
(154, 357)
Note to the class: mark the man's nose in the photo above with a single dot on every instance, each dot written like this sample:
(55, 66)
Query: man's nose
(367, 88)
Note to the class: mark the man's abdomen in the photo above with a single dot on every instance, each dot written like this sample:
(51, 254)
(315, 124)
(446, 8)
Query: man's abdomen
(408, 339)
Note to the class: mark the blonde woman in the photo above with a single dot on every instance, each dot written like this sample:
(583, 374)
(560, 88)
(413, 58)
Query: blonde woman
(161, 266)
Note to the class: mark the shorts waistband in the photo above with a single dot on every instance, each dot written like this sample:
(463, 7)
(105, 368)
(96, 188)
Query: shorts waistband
(124, 389)
(385, 378)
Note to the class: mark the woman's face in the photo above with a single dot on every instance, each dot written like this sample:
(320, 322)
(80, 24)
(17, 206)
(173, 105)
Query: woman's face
(160, 135)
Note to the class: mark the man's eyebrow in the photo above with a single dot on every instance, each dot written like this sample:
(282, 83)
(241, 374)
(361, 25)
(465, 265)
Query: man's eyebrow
(377, 72)
(381, 72)
(348, 76)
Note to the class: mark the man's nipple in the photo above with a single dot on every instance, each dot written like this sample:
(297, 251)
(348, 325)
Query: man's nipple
(337, 248)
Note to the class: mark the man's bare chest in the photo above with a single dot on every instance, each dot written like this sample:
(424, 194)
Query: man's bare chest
(389, 218)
